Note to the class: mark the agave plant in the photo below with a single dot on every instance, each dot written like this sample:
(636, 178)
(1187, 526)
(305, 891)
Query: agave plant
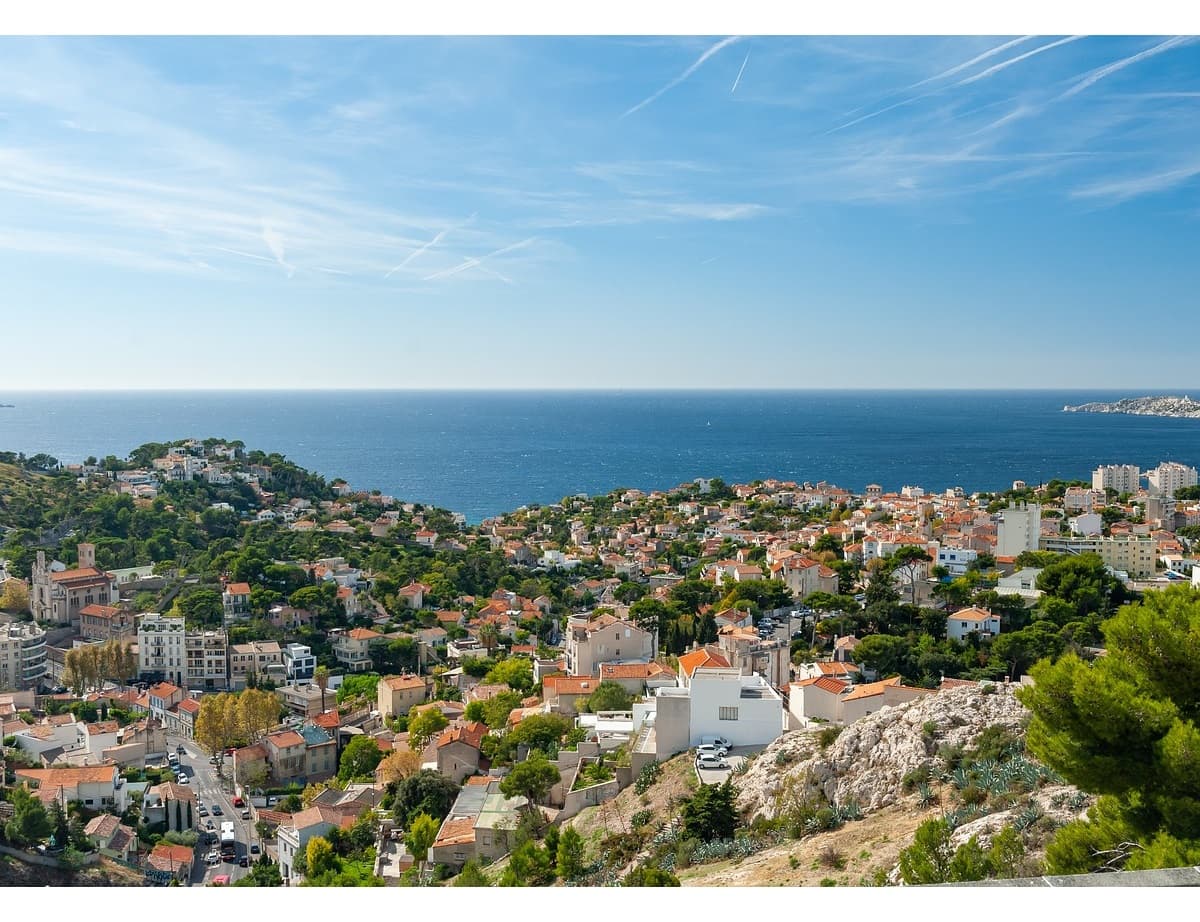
(1027, 817)
(926, 795)
(960, 777)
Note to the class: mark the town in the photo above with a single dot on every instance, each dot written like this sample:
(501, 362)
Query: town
(217, 668)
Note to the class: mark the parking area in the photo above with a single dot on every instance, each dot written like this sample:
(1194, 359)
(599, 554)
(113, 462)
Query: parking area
(735, 759)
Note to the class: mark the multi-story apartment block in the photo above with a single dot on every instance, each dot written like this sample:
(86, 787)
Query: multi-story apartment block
(352, 648)
(22, 655)
(1124, 478)
(1171, 476)
(58, 595)
(299, 662)
(101, 623)
(262, 658)
(236, 602)
(207, 655)
(1019, 529)
(161, 648)
(606, 640)
(1131, 554)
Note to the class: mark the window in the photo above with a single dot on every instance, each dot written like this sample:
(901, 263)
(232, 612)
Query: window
(728, 713)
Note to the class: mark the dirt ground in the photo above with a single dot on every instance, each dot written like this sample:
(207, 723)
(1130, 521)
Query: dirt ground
(861, 847)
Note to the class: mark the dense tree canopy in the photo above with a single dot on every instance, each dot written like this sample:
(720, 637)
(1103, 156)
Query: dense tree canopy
(1125, 725)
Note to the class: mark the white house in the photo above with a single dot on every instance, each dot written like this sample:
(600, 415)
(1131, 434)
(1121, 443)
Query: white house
(1087, 523)
(961, 624)
(1022, 583)
(956, 559)
(718, 701)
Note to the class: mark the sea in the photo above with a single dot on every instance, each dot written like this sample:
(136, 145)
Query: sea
(484, 453)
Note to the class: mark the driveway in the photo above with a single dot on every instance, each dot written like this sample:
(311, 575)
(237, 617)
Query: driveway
(736, 758)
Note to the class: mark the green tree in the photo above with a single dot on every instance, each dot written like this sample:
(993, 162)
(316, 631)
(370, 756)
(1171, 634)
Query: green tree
(359, 759)
(422, 832)
(1083, 582)
(711, 813)
(532, 778)
(1125, 725)
(609, 696)
(424, 726)
(516, 672)
(202, 607)
(471, 876)
(425, 792)
(30, 824)
(569, 854)
(319, 857)
(264, 873)
(649, 876)
(359, 685)
(928, 859)
(885, 654)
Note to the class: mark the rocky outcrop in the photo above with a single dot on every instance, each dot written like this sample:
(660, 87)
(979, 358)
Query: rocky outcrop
(1177, 407)
(870, 758)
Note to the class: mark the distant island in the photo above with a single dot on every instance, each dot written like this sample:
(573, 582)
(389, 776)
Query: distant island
(1177, 407)
(7, 406)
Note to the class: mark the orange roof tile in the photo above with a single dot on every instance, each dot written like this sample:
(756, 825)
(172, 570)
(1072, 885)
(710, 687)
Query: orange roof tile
(690, 662)
(456, 832)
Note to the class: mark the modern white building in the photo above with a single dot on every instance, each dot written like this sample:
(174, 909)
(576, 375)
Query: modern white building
(1124, 478)
(299, 661)
(22, 655)
(207, 654)
(956, 559)
(718, 701)
(161, 649)
(1170, 476)
(1019, 529)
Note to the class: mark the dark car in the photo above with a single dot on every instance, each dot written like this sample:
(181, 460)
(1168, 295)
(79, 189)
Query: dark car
(216, 810)
(254, 849)
(244, 862)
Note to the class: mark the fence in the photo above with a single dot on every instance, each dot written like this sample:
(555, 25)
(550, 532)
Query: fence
(45, 861)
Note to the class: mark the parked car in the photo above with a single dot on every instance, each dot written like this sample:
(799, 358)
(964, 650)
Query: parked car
(209, 826)
(717, 741)
(182, 779)
(238, 802)
(245, 814)
(710, 760)
(254, 848)
(711, 749)
(203, 810)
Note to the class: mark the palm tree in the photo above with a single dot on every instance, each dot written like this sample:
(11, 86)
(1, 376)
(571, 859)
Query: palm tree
(321, 680)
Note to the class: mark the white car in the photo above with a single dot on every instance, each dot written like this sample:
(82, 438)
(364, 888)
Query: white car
(212, 858)
(711, 749)
(709, 760)
(183, 779)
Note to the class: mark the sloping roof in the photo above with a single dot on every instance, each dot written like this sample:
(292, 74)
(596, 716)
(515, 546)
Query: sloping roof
(238, 589)
(472, 734)
(401, 682)
(169, 790)
(972, 614)
(363, 633)
(167, 857)
(285, 739)
(67, 777)
(690, 662)
(102, 826)
(456, 832)
(84, 575)
(871, 689)
(571, 684)
(630, 670)
(99, 611)
(833, 686)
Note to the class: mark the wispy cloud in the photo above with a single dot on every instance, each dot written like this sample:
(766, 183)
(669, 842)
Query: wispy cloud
(1102, 72)
(1120, 190)
(438, 238)
(274, 242)
(1004, 65)
(723, 43)
(738, 78)
(958, 68)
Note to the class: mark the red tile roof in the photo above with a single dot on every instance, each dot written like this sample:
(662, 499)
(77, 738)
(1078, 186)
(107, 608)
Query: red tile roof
(690, 662)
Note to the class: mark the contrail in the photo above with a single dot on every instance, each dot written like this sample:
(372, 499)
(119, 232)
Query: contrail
(417, 252)
(971, 63)
(1103, 72)
(474, 261)
(687, 73)
(738, 79)
(996, 68)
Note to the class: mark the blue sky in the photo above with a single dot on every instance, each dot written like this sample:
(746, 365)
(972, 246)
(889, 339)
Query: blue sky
(585, 212)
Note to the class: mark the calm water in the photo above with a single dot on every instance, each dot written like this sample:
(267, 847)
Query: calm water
(485, 453)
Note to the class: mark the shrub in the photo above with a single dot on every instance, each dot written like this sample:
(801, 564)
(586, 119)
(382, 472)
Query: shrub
(793, 861)
(929, 729)
(828, 882)
(915, 778)
(973, 794)
(783, 757)
(641, 818)
(830, 857)
(647, 776)
(828, 735)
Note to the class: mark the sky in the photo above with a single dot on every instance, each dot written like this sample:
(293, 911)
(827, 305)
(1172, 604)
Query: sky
(624, 212)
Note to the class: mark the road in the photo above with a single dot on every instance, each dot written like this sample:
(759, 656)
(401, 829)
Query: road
(211, 789)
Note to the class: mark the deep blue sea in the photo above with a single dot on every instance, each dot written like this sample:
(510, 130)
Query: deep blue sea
(484, 453)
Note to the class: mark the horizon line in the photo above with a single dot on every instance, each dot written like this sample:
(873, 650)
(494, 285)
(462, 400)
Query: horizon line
(610, 389)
